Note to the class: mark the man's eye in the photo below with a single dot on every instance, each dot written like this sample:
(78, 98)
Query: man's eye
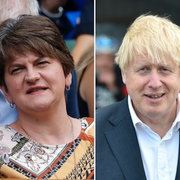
(163, 70)
(144, 69)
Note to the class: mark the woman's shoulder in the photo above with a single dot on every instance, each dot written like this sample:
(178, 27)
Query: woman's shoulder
(88, 126)
(6, 131)
(9, 138)
(88, 120)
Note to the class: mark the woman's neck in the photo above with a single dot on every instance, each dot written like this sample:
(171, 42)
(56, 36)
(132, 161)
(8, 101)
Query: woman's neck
(52, 130)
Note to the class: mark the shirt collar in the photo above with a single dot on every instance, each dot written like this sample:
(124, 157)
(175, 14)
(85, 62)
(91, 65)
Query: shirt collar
(136, 120)
(176, 123)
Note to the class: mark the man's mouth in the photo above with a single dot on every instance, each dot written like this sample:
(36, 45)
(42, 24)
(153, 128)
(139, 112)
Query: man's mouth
(155, 96)
(36, 89)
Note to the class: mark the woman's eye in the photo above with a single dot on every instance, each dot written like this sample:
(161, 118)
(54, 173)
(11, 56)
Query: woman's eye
(16, 70)
(42, 62)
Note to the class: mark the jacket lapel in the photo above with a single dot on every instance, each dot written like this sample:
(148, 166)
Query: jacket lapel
(124, 144)
(178, 166)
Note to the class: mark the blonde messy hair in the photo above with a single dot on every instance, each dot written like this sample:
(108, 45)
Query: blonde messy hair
(152, 36)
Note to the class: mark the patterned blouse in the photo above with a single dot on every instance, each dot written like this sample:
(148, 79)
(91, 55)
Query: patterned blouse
(22, 158)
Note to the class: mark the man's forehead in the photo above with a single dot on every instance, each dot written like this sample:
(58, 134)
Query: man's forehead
(159, 59)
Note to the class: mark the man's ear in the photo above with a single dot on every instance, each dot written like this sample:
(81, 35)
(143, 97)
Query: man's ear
(6, 94)
(123, 76)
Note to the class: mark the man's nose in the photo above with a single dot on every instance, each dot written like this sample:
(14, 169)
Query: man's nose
(154, 79)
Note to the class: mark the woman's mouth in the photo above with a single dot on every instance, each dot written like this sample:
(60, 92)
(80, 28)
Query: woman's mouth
(36, 90)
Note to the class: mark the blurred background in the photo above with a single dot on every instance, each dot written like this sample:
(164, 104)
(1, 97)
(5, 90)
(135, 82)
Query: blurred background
(113, 17)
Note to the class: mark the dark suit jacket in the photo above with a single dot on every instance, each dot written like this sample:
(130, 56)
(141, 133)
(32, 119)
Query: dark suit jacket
(117, 150)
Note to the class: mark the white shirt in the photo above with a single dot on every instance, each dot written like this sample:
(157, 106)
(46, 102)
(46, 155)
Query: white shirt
(159, 156)
(8, 115)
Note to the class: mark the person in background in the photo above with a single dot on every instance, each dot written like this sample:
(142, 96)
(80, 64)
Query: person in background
(45, 142)
(138, 138)
(65, 20)
(85, 79)
(11, 9)
(84, 33)
(109, 85)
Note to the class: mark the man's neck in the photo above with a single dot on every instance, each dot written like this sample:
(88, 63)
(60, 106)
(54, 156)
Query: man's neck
(160, 124)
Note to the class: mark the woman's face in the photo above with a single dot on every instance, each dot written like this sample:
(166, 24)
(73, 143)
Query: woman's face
(35, 83)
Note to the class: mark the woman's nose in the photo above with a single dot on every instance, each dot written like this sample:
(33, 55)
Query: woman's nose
(32, 75)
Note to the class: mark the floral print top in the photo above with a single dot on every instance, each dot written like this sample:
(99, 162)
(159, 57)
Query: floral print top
(23, 158)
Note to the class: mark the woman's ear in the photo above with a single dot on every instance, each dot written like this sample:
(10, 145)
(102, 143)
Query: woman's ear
(123, 76)
(6, 94)
(68, 80)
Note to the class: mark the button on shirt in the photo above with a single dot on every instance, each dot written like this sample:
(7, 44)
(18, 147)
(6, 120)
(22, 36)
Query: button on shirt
(159, 156)
(7, 115)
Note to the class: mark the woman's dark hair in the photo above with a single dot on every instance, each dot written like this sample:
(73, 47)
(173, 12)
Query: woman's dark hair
(36, 34)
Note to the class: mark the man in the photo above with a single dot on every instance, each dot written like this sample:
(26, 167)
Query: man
(11, 9)
(138, 138)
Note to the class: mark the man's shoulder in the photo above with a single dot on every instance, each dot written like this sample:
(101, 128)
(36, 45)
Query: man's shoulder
(113, 108)
(108, 109)
(106, 113)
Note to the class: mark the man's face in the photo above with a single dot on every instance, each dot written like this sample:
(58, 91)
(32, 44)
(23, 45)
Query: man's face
(152, 87)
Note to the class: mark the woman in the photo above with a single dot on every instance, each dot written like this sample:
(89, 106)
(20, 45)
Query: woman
(85, 79)
(35, 69)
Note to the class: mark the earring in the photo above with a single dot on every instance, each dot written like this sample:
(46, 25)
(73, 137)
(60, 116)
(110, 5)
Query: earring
(12, 105)
(67, 88)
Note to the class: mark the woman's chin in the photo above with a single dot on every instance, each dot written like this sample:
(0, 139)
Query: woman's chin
(39, 107)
